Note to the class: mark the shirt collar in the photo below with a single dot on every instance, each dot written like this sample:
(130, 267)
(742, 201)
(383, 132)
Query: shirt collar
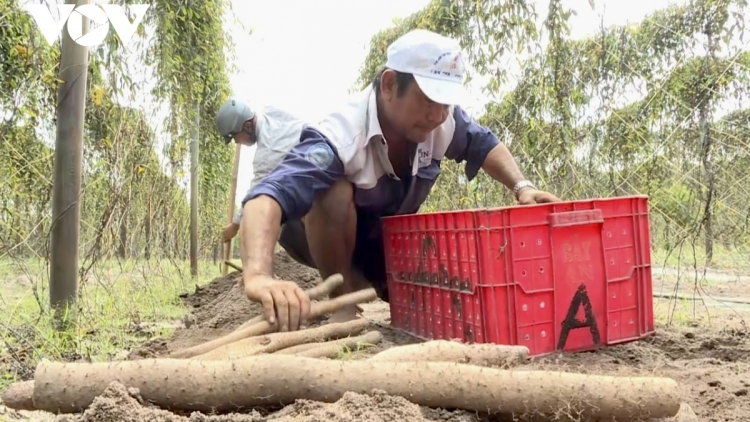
(372, 124)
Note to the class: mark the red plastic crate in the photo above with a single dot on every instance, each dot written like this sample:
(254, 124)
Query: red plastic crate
(569, 276)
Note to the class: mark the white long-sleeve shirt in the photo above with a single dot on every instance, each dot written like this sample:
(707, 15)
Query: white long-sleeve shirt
(277, 132)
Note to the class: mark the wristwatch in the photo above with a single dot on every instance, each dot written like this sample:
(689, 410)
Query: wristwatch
(520, 185)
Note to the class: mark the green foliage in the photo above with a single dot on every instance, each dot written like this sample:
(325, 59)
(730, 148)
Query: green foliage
(28, 89)
(28, 65)
(440, 16)
(189, 54)
(569, 125)
(570, 118)
(131, 207)
(485, 29)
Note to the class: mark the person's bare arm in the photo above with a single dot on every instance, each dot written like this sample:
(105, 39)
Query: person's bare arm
(259, 236)
(282, 300)
(287, 193)
(501, 166)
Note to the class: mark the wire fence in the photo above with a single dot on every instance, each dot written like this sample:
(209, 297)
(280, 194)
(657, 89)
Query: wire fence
(657, 108)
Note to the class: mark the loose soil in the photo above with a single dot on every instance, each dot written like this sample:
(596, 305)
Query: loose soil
(712, 366)
(221, 306)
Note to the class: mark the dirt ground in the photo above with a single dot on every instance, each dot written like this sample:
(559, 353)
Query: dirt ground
(221, 306)
(712, 367)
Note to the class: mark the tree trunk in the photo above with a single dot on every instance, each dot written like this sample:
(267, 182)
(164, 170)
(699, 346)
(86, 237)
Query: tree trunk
(122, 252)
(147, 229)
(230, 207)
(194, 196)
(71, 103)
(166, 247)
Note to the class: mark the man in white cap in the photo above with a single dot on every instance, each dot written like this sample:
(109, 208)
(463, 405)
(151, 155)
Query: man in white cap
(274, 132)
(378, 155)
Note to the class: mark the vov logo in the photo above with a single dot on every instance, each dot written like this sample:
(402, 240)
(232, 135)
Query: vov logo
(101, 15)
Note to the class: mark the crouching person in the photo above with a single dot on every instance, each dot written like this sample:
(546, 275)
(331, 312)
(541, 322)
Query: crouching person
(379, 155)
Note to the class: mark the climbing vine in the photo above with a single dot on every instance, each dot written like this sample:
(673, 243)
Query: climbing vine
(28, 83)
(474, 23)
(134, 197)
(653, 108)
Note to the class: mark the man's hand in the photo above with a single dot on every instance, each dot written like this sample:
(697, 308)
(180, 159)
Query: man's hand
(229, 231)
(529, 196)
(282, 301)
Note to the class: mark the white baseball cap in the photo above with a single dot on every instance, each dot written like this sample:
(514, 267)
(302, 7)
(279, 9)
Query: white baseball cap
(436, 62)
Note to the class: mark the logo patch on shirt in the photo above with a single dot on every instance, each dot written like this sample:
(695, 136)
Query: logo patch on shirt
(424, 157)
(320, 155)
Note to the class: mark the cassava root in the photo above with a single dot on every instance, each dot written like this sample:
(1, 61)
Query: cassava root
(276, 341)
(19, 395)
(331, 349)
(454, 351)
(233, 265)
(263, 327)
(191, 385)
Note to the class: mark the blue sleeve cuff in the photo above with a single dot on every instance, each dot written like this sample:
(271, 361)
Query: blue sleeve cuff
(471, 143)
(275, 192)
(307, 170)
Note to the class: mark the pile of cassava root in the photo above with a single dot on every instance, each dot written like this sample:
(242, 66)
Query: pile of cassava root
(254, 366)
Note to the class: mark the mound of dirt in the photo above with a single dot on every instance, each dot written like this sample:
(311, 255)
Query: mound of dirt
(222, 303)
(220, 306)
(705, 362)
